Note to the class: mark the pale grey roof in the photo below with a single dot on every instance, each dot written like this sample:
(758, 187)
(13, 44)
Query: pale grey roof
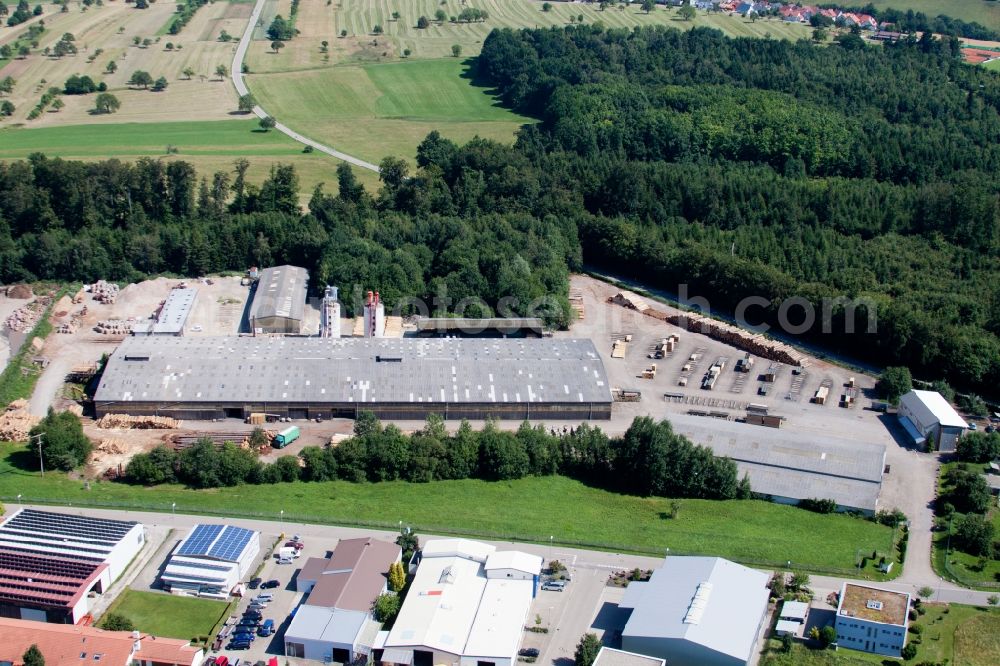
(281, 292)
(329, 625)
(611, 657)
(354, 370)
(930, 406)
(708, 601)
(786, 463)
(794, 609)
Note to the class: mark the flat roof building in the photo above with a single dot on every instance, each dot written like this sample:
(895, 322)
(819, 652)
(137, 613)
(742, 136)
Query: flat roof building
(927, 417)
(461, 609)
(611, 657)
(76, 645)
(279, 300)
(790, 467)
(872, 619)
(210, 561)
(50, 562)
(335, 623)
(396, 378)
(172, 317)
(697, 611)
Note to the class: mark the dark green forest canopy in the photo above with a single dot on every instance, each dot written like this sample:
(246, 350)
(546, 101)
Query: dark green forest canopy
(739, 167)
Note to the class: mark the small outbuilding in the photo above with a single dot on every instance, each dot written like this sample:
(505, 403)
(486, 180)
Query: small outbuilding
(929, 419)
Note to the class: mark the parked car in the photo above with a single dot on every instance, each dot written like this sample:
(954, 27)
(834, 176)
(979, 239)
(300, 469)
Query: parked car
(266, 597)
(554, 586)
(244, 636)
(271, 584)
(529, 652)
(247, 627)
(254, 583)
(973, 426)
(296, 537)
(222, 660)
(266, 629)
(297, 545)
(257, 606)
(252, 617)
(238, 645)
(209, 662)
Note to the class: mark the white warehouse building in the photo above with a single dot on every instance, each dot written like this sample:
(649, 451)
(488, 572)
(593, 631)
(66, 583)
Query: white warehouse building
(929, 419)
(467, 606)
(211, 561)
(697, 611)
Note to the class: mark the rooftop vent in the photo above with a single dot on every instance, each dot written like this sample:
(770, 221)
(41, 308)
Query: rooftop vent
(872, 604)
(698, 603)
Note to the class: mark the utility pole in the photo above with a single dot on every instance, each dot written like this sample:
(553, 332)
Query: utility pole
(41, 462)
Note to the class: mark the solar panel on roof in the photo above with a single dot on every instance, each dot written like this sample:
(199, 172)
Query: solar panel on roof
(200, 540)
(231, 544)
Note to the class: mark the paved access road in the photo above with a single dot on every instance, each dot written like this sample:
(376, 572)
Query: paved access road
(241, 89)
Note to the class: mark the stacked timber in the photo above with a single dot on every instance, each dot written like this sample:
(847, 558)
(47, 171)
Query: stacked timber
(114, 327)
(16, 422)
(240, 439)
(130, 422)
(748, 341)
(629, 300)
(105, 292)
(576, 303)
(112, 446)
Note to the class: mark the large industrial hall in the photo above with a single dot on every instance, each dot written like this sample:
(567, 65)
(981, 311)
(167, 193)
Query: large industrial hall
(396, 378)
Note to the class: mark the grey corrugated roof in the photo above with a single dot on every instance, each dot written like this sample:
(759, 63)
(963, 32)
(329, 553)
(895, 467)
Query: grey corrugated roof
(358, 370)
(733, 603)
(281, 292)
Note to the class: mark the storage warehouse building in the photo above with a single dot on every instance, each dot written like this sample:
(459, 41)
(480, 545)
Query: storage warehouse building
(697, 611)
(335, 623)
(172, 316)
(928, 418)
(462, 610)
(396, 378)
(51, 562)
(279, 300)
(211, 561)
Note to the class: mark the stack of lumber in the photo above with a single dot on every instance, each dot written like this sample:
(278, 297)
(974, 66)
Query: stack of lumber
(754, 343)
(629, 300)
(129, 422)
(75, 409)
(113, 446)
(576, 302)
(105, 292)
(16, 422)
(114, 327)
(241, 439)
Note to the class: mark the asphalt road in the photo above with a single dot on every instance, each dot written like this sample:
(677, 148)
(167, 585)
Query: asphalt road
(236, 74)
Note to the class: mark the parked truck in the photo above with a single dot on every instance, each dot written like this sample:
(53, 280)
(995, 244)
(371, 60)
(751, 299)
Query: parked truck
(286, 437)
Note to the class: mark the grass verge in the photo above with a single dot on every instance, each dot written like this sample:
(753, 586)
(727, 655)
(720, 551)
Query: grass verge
(172, 616)
(963, 568)
(754, 532)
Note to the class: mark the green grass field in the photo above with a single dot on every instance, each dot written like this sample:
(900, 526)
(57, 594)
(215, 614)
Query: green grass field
(986, 12)
(993, 65)
(168, 615)
(954, 634)
(385, 109)
(209, 145)
(963, 567)
(529, 509)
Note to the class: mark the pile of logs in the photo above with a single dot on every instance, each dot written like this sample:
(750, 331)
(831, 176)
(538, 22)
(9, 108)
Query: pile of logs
(114, 326)
(105, 292)
(25, 317)
(112, 446)
(240, 439)
(130, 422)
(16, 422)
(755, 343)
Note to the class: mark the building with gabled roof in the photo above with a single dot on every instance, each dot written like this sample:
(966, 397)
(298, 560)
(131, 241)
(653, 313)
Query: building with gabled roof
(697, 611)
(929, 419)
(211, 561)
(51, 563)
(459, 612)
(279, 300)
(335, 622)
(76, 645)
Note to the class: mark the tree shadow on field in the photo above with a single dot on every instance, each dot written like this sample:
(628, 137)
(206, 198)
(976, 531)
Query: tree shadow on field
(470, 72)
(24, 460)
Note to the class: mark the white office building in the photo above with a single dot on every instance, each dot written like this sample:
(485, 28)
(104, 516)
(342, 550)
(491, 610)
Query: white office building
(467, 606)
(211, 561)
(697, 611)
(872, 619)
(929, 420)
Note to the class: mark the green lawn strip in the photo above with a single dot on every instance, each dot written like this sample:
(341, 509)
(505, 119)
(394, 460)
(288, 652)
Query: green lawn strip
(960, 567)
(222, 137)
(171, 616)
(993, 64)
(532, 509)
(20, 376)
